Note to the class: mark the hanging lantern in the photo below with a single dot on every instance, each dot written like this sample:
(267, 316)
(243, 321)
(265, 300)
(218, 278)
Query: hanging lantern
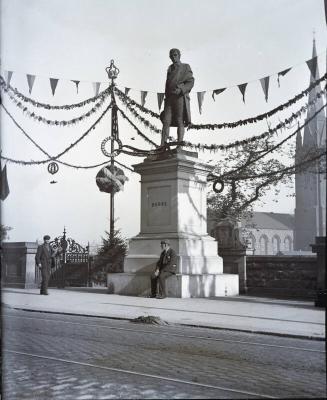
(110, 179)
(53, 168)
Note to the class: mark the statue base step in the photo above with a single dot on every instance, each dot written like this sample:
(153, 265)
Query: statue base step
(179, 285)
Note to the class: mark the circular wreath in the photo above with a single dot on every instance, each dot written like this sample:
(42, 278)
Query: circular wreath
(116, 151)
(110, 179)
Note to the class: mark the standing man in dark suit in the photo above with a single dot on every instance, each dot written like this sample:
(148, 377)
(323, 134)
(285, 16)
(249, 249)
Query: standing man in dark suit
(166, 267)
(177, 111)
(44, 258)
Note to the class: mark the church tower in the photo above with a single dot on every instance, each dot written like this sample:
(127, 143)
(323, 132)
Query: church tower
(310, 187)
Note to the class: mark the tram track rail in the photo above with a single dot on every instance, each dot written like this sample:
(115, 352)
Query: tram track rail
(139, 374)
(170, 334)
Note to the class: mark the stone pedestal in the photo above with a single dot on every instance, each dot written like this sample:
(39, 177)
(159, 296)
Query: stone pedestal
(232, 250)
(18, 264)
(174, 207)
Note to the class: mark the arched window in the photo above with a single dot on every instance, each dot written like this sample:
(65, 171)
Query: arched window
(250, 242)
(288, 243)
(276, 244)
(263, 244)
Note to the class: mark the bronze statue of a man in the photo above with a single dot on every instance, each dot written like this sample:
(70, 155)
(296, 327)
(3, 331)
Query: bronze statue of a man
(179, 83)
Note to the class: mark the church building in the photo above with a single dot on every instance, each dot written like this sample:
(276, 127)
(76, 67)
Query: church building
(272, 233)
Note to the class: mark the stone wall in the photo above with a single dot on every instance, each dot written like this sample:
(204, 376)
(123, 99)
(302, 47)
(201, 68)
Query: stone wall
(282, 276)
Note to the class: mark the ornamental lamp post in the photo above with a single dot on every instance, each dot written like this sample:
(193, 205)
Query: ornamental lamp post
(112, 72)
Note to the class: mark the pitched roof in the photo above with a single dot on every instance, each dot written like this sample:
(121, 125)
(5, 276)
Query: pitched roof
(270, 220)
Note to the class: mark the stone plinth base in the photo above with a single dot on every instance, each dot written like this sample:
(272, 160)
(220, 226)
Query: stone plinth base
(195, 254)
(180, 286)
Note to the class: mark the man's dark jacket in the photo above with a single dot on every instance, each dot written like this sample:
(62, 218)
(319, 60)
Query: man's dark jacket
(167, 261)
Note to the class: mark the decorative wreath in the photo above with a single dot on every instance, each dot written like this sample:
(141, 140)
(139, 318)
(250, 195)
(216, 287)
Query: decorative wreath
(111, 179)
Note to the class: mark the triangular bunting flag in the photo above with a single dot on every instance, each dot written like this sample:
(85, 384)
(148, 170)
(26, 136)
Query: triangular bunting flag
(242, 88)
(53, 83)
(96, 87)
(4, 183)
(200, 100)
(265, 86)
(30, 81)
(216, 92)
(312, 64)
(282, 73)
(8, 75)
(160, 97)
(143, 97)
(76, 83)
(127, 89)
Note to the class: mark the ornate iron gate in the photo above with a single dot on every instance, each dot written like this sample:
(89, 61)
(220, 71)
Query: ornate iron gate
(72, 264)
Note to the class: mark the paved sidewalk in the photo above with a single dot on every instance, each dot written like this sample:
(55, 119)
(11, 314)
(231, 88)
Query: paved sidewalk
(251, 314)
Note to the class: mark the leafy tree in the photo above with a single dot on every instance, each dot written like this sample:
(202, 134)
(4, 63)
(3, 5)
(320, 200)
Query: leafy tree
(246, 174)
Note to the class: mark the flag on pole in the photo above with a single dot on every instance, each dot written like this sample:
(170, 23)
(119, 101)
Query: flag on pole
(53, 83)
(76, 83)
(143, 97)
(216, 92)
(282, 73)
(8, 75)
(265, 86)
(200, 100)
(160, 97)
(30, 81)
(4, 183)
(96, 87)
(242, 88)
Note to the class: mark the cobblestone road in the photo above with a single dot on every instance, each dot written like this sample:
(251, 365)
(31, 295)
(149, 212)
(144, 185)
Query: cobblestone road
(218, 359)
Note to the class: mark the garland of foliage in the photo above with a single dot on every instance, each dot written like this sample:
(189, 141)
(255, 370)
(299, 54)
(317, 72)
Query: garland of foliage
(270, 132)
(3, 86)
(50, 122)
(273, 148)
(126, 99)
(264, 115)
(68, 148)
(136, 128)
(144, 121)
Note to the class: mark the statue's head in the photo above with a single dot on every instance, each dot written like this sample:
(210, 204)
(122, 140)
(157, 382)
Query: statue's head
(174, 55)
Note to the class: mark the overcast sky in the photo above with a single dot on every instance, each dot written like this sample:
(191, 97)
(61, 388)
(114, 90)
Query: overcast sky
(226, 42)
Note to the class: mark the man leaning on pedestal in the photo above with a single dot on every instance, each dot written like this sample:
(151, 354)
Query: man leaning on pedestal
(45, 260)
(166, 267)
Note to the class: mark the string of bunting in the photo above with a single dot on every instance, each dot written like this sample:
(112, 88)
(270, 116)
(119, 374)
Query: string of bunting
(67, 148)
(136, 128)
(4, 86)
(50, 122)
(312, 64)
(263, 116)
(129, 102)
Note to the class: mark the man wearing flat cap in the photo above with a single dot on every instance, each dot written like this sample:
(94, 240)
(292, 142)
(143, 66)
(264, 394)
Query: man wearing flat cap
(165, 267)
(44, 260)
